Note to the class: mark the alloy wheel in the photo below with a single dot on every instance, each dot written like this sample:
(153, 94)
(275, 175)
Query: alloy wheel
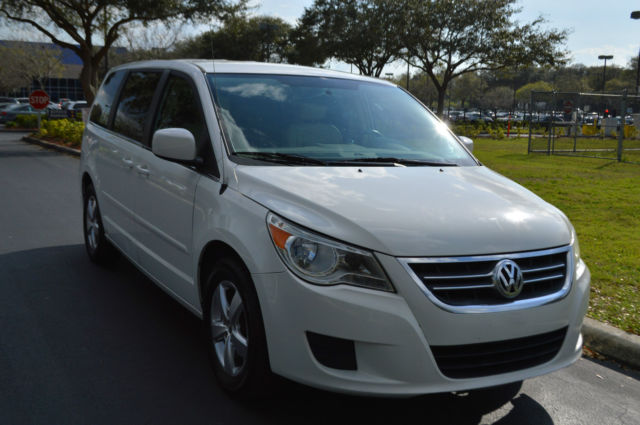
(92, 224)
(229, 328)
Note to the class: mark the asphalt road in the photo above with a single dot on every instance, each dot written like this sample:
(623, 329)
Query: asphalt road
(80, 344)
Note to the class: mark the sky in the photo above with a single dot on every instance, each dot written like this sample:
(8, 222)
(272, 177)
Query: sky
(596, 27)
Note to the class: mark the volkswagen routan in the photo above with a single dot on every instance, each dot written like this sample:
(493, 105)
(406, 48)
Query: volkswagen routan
(327, 228)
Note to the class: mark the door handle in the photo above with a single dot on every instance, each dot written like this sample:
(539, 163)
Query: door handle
(142, 169)
(128, 162)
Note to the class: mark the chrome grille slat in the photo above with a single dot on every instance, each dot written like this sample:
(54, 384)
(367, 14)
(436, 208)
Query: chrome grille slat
(468, 276)
(465, 284)
(458, 288)
(541, 279)
(542, 269)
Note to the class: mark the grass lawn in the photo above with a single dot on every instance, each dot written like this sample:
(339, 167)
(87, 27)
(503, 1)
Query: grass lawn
(602, 200)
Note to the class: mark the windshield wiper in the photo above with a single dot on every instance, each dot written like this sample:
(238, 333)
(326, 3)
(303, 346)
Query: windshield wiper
(393, 160)
(286, 158)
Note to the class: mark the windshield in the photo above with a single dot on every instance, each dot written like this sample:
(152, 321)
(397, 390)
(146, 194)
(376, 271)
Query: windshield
(314, 120)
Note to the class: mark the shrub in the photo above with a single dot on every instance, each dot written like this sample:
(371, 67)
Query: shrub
(64, 130)
(24, 121)
(497, 133)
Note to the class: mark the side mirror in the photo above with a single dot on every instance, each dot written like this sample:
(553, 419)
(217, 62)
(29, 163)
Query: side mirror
(174, 143)
(468, 143)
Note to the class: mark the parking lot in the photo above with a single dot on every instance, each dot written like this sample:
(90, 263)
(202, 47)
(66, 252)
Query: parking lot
(83, 344)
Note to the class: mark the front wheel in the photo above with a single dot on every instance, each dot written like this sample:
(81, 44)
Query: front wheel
(235, 332)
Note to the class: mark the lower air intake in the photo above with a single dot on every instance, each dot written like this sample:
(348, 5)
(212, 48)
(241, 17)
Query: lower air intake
(492, 358)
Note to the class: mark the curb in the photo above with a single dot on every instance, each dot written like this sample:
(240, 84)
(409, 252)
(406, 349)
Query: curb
(612, 342)
(604, 339)
(54, 146)
(17, 130)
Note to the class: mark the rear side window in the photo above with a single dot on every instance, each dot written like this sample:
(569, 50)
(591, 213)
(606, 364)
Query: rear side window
(135, 102)
(105, 98)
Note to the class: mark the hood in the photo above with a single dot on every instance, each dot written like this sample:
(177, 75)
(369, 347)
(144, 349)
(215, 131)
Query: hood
(409, 211)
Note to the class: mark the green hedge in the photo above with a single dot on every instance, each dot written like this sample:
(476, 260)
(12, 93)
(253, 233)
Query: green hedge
(66, 131)
(497, 129)
(24, 121)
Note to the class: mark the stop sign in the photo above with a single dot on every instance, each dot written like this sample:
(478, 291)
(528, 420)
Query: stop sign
(568, 107)
(39, 99)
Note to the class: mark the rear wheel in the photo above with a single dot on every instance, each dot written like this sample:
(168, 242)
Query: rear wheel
(235, 332)
(98, 247)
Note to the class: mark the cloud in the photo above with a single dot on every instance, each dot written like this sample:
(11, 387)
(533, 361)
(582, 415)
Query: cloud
(621, 54)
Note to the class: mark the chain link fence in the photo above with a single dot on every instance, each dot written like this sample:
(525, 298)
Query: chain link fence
(592, 125)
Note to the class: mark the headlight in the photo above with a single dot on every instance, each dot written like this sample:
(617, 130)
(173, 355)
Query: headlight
(577, 261)
(323, 261)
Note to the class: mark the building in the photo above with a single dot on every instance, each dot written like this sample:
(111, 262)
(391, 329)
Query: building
(67, 84)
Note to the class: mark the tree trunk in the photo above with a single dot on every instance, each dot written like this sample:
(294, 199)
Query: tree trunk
(88, 78)
(442, 91)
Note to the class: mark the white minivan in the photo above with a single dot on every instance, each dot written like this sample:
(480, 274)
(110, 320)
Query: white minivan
(327, 228)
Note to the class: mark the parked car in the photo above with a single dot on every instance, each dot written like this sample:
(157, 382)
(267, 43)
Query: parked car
(74, 109)
(22, 99)
(4, 100)
(13, 111)
(477, 116)
(327, 228)
(75, 105)
(63, 101)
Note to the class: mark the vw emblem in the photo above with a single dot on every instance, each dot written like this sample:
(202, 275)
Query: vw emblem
(507, 278)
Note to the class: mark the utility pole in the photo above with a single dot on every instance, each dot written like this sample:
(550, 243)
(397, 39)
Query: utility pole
(636, 15)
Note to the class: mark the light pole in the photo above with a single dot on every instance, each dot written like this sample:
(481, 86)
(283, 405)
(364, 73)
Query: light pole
(636, 15)
(604, 69)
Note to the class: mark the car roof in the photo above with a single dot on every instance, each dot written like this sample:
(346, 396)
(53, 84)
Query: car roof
(221, 66)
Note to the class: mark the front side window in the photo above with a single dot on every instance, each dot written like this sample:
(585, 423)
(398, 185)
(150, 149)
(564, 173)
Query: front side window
(180, 108)
(105, 98)
(329, 120)
(134, 104)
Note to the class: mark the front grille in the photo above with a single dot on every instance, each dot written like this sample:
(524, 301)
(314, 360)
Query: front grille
(467, 281)
(492, 358)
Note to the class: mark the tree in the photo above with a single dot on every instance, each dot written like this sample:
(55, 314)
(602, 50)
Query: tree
(619, 84)
(572, 78)
(421, 87)
(468, 89)
(449, 38)
(84, 21)
(145, 42)
(24, 62)
(364, 33)
(498, 98)
(262, 39)
(306, 48)
(523, 94)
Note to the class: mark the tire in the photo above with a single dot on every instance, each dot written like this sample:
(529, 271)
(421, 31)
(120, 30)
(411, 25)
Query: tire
(98, 247)
(234, 332)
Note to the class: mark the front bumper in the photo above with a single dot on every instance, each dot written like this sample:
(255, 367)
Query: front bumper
(392, 333)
